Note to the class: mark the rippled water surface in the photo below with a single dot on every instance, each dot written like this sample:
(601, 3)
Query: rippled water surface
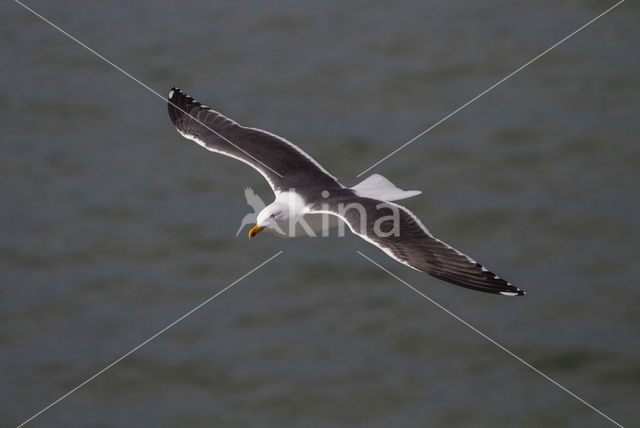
(113, 226)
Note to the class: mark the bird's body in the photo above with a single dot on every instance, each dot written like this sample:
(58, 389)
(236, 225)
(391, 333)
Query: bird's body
(309, 200)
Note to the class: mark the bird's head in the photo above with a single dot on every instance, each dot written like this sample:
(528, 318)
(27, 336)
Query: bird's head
(273, 218)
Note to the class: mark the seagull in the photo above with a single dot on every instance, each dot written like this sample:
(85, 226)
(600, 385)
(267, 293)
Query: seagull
(305, 191)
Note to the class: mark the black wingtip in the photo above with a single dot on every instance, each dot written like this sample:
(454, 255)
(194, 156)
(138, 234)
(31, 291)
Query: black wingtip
(173, 104)
(175, 93)
(179, 105)
(181, 99)
(510, 293)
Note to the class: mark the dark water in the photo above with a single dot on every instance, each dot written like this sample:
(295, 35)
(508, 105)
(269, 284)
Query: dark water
(113, 226)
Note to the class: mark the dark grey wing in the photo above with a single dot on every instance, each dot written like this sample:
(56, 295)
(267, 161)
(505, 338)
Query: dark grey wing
(282, 163)
(401, 235)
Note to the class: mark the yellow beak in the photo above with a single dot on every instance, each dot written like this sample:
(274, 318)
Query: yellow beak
(255, 230)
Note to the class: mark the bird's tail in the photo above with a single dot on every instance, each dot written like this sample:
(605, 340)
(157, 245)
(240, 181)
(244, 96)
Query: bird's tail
(377, 187)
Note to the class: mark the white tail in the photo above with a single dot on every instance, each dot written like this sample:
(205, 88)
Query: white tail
(377, 187)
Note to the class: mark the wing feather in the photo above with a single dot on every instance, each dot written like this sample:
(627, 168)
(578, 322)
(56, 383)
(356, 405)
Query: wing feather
(413, 244)
(283, 164)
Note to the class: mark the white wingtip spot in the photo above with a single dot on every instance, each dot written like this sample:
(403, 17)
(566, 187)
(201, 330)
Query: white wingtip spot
(508, 293)
(171, 94)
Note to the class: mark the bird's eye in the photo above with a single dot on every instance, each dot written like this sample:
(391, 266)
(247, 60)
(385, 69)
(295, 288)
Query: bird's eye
(272, 216)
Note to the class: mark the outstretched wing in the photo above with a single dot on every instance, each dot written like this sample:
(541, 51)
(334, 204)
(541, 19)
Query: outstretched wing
(282, 163)
(402, 236)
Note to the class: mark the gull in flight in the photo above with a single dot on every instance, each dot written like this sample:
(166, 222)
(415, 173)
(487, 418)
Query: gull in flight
(305, 192)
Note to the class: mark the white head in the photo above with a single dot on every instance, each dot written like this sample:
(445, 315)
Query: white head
(278, 216)
(273, 218)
